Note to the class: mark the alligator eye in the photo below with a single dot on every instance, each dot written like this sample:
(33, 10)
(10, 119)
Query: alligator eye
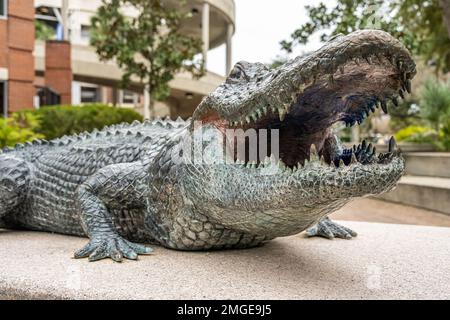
(237, 73)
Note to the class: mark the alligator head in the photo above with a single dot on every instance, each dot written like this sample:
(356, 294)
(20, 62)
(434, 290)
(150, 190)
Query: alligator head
(344, 81)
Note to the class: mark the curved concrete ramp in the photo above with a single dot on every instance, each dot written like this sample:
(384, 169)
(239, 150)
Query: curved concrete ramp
(384, 262)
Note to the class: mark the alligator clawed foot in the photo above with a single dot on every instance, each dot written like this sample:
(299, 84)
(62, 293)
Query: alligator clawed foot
(329, 229)
(114, 247)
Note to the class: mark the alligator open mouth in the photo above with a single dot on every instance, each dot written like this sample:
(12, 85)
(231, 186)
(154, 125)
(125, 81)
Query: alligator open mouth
(343, 82)
(349, 96)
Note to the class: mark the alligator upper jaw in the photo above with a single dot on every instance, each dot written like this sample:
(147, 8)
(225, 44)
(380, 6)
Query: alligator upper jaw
(373, 53)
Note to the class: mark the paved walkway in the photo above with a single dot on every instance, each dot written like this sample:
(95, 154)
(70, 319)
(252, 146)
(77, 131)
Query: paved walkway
(385, 261)
(373, 210)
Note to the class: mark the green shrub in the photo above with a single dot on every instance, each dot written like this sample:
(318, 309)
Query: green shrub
(435, 103)
(444, 136)
(57, 121)
(19, 128)
(417, 134)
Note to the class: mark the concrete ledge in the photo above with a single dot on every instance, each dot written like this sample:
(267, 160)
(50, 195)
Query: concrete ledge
(425, 192)
(383, 262)
(433, 164)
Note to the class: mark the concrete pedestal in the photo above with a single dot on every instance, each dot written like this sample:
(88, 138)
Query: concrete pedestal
(383, 262)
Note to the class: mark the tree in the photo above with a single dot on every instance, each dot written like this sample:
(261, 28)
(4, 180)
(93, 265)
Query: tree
(43, 31)
(422, 25)
(147, 45)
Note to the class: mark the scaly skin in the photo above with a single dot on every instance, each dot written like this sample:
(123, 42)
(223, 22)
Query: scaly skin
(137, 183)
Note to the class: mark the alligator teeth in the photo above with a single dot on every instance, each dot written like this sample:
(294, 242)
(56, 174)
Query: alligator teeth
(313, 155)
(247, 119)
(369, 148)
(392, 144)
(384, 106)
(363, 144)
(354, 160)
(341, 163)
(401, 93)
(408, 86)
(302, 88)
(264, 109)
(282, 114)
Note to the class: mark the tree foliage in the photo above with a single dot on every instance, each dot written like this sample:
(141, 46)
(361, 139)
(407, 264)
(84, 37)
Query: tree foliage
(148, 44)
(419, 24)
(43, 31)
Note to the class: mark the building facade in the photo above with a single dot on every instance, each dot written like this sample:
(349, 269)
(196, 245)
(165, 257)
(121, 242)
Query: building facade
(34, 73)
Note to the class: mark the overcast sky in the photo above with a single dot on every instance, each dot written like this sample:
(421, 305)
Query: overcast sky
(260, 26)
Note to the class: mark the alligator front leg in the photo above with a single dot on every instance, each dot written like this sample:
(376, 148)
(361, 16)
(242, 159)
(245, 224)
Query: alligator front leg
(329, 229)
(115, 185)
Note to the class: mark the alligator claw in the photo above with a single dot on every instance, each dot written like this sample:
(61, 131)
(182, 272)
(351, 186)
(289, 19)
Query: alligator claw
(114, 247)
(330, 230)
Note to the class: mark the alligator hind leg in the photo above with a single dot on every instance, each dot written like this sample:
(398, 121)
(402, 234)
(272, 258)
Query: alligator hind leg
(329, 229)
(14, 176)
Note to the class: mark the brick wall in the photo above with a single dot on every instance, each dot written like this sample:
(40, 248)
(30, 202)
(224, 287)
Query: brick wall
(16, 53)
(3, 43)
(58, 69)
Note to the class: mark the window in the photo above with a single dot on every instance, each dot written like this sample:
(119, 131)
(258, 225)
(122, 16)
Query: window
(3, 99)
(129, 97)
(3, 8)
(89, 94)
(85, 32)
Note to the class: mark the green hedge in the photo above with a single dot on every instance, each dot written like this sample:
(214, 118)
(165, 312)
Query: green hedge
(57, 121)
(18, 128)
